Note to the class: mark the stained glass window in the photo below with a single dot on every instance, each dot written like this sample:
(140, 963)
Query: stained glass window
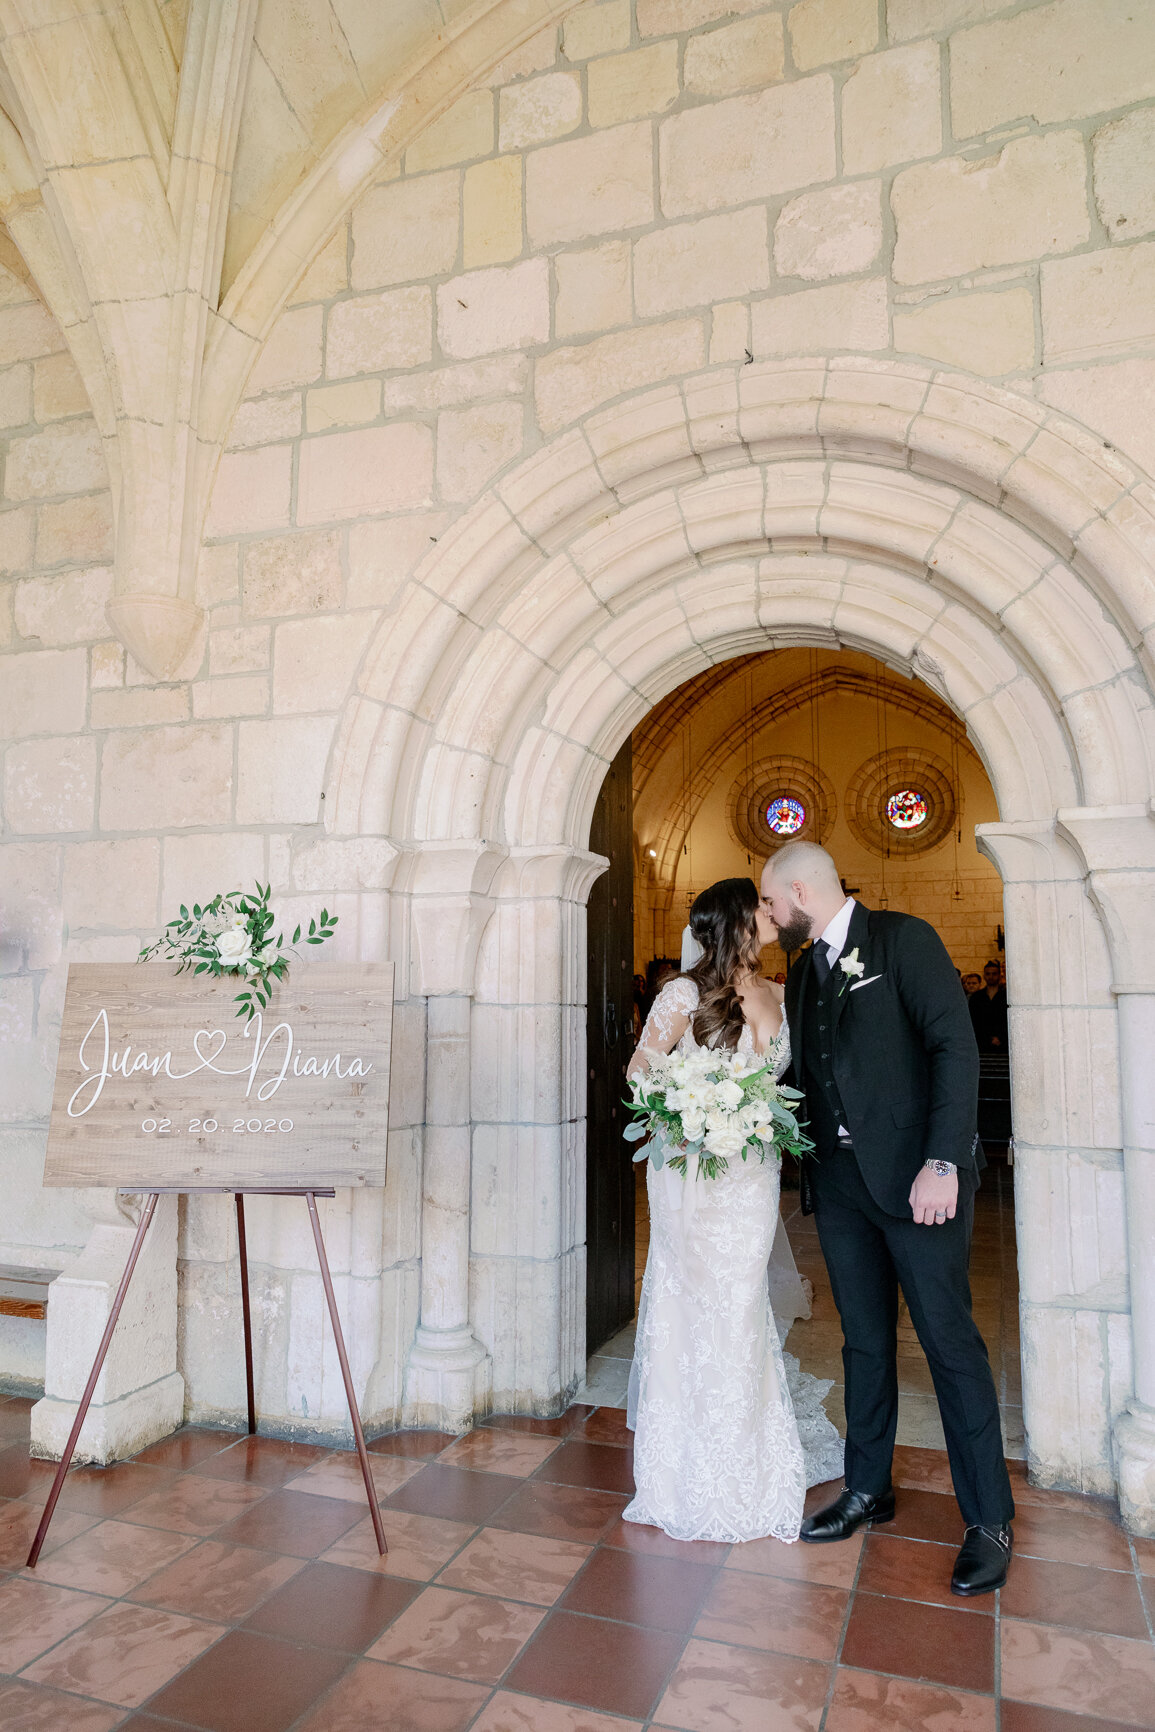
(785, 815)
(906, 809)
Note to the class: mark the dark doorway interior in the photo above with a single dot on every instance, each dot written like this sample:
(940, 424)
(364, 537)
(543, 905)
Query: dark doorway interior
(609, 1042)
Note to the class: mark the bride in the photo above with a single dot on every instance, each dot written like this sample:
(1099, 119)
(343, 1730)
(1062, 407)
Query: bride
(717, 1452)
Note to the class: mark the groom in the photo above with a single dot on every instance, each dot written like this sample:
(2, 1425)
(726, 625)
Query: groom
(885, 1054)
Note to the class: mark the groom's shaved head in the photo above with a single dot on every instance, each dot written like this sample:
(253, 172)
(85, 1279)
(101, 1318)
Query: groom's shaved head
(802, 891)
(805, 863)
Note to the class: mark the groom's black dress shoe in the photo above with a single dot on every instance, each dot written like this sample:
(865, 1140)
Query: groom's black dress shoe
(983, 1562)
(849, 1511)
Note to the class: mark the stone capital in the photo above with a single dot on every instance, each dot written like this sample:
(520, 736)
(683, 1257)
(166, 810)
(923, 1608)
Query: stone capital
(556, 872)
(450, 903)
(1029, 852)
(1117, 846)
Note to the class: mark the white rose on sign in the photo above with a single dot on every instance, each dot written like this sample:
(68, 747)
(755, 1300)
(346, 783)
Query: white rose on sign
(234, 947)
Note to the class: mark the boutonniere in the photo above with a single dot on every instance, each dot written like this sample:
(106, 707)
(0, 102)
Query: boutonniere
(851, 967)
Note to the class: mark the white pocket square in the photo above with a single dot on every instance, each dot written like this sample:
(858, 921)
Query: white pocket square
(869, 981)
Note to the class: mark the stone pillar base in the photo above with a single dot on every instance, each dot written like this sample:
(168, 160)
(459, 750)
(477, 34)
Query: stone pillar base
(447, 1379)
(139, 1396)
(114, 1429)
(1135, 1456)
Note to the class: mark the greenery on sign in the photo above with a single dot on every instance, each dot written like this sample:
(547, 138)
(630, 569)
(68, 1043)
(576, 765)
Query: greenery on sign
(233, 934)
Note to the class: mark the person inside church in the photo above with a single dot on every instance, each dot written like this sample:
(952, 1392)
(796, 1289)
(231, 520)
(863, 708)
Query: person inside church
(988, 1008)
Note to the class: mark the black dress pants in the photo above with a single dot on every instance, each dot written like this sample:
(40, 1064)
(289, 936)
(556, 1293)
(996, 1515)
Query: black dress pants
(870, 1254)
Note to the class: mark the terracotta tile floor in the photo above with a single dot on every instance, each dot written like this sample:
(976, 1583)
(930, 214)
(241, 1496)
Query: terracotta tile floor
(233, 1585)
(227, 1585)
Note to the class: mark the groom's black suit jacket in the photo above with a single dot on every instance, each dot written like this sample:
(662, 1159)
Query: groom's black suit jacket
(903, 1055)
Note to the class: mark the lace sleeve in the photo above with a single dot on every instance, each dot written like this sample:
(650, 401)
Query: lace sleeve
(670, 1015)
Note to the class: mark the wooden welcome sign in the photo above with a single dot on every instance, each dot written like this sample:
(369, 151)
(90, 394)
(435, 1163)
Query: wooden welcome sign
(160, 1086)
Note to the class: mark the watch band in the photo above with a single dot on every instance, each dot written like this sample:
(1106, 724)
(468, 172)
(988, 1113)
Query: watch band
(944, 1169)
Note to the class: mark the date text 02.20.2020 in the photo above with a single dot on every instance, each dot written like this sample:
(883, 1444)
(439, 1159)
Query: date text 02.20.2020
(199, 1127)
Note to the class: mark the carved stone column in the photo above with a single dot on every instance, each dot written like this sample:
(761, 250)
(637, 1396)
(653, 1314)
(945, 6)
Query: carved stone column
(140, 1395)
(1069, 1203)
(528, 1227)
(1118, 846)
(447, 1377)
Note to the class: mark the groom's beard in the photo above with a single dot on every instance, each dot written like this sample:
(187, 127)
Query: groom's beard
(792, 935)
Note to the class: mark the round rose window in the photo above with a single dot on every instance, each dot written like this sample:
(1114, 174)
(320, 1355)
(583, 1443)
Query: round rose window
(785, 815)
(906, 809)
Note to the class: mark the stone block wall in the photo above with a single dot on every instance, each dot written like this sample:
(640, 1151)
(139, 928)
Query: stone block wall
(638, 193)
(638, 196)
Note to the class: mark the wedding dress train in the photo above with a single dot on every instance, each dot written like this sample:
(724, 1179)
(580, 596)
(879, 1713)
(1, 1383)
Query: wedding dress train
(727, 1435)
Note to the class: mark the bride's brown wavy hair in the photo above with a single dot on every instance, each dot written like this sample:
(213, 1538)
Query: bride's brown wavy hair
(722, 919)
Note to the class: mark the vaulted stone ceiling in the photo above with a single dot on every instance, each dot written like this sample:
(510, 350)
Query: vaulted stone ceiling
(316, 64)
(168, 170)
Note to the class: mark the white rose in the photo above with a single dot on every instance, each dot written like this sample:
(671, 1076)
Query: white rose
(725, 1141)
(728, 1094)
(234, 947)
(693, 1125)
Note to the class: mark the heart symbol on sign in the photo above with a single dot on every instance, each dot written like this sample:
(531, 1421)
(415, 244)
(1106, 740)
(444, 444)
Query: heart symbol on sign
(216, 1034)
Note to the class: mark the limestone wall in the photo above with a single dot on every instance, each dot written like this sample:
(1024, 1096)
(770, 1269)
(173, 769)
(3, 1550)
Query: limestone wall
(634, 195)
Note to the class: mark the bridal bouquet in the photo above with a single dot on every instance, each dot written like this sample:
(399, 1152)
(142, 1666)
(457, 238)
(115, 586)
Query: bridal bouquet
(714, 1105)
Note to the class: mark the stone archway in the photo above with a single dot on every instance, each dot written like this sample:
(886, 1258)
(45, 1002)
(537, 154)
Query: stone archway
(961, 534)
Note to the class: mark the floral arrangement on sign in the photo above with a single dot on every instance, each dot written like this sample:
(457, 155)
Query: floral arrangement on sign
(233, 934)
(715, 1104)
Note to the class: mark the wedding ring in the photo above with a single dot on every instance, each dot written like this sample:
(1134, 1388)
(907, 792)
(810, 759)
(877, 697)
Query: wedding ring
(940, 1217)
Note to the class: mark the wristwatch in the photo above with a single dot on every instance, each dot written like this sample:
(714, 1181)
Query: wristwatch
(944, 1169)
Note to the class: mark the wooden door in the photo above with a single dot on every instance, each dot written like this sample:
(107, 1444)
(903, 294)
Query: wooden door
(609, 1043)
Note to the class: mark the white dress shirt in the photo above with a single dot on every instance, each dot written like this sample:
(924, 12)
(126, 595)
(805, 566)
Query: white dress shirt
(834, 935)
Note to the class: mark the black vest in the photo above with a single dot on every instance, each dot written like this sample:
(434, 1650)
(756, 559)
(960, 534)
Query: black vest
(822, 1097)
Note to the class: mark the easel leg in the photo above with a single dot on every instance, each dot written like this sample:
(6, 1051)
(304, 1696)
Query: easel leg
(246, 1313)
(90, 1386)
(358, 1434)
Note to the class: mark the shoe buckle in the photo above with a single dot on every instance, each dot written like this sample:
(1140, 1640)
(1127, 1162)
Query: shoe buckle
(1001, 1536)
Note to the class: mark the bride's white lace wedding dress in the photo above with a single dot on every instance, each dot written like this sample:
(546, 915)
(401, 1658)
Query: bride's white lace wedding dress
(725, 1444)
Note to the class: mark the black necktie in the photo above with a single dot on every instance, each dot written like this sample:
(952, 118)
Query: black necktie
(821, 962)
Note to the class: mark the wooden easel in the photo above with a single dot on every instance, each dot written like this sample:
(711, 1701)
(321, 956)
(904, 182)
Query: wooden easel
(151, 1200)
